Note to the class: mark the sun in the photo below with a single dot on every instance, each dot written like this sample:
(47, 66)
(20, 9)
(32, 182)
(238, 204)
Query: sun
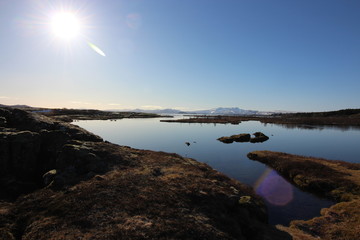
(66, 25)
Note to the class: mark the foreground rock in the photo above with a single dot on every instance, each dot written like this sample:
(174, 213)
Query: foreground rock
(29, 147)
(84, 188)
(336, 180)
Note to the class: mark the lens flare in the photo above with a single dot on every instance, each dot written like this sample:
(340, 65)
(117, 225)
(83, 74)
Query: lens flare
(96, 49)
(274, 188)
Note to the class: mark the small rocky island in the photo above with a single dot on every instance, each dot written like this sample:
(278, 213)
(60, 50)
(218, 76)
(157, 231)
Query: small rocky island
(58, 181)
(245, 137)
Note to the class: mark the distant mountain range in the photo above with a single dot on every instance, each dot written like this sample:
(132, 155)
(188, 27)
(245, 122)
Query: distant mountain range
(213, 111)
(15, 106)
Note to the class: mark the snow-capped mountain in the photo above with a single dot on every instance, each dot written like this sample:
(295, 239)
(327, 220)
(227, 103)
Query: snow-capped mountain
(213, 111)
(227, 111)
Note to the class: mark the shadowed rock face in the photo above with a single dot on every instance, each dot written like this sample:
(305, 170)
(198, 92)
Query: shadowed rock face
(29, 147)
(98, 190)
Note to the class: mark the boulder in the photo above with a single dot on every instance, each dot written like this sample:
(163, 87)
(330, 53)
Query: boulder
(259, 137)
(49, 177)
(244, 137)
(76, 162)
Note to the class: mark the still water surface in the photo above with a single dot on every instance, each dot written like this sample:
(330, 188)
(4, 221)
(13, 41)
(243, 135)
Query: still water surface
(285, 202)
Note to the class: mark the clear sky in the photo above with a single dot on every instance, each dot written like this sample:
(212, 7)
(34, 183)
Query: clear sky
(300, 55)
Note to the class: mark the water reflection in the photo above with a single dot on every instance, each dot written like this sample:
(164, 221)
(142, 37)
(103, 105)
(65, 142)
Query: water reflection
(284, 202)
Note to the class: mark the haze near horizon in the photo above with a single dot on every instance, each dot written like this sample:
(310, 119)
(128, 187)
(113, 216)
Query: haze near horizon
(187, 55)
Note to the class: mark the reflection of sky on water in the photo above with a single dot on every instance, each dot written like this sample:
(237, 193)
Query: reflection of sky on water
(231, 159)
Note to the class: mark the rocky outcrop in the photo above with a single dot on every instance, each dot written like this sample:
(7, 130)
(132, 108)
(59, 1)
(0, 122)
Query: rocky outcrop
(245, 137)
(84, 188)
(29, 147)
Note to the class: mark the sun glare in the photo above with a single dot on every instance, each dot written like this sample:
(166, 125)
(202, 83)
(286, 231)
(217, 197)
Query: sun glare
(65, 25)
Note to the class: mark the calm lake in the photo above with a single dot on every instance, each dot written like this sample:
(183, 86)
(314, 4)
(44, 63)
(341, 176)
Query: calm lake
(285, 202)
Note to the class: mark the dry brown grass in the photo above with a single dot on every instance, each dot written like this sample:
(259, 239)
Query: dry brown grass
(158, 196)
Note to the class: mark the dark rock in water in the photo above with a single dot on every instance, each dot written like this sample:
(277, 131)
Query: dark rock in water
(226, 139)
(244, 137)
(187, 143)
(259, 137)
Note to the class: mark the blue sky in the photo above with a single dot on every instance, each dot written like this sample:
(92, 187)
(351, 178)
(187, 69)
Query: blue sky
(259, 54)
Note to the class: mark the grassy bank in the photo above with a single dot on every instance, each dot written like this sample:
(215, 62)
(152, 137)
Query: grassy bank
(335, 180)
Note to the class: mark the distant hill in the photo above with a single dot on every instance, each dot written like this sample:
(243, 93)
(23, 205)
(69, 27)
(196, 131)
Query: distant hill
(212, 111)
(15, 106)
(227, 111)
(158, 111)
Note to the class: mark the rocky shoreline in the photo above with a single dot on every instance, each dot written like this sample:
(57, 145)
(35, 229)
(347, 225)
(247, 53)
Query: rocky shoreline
(59, 181)
(341, 118)
(69, 115)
